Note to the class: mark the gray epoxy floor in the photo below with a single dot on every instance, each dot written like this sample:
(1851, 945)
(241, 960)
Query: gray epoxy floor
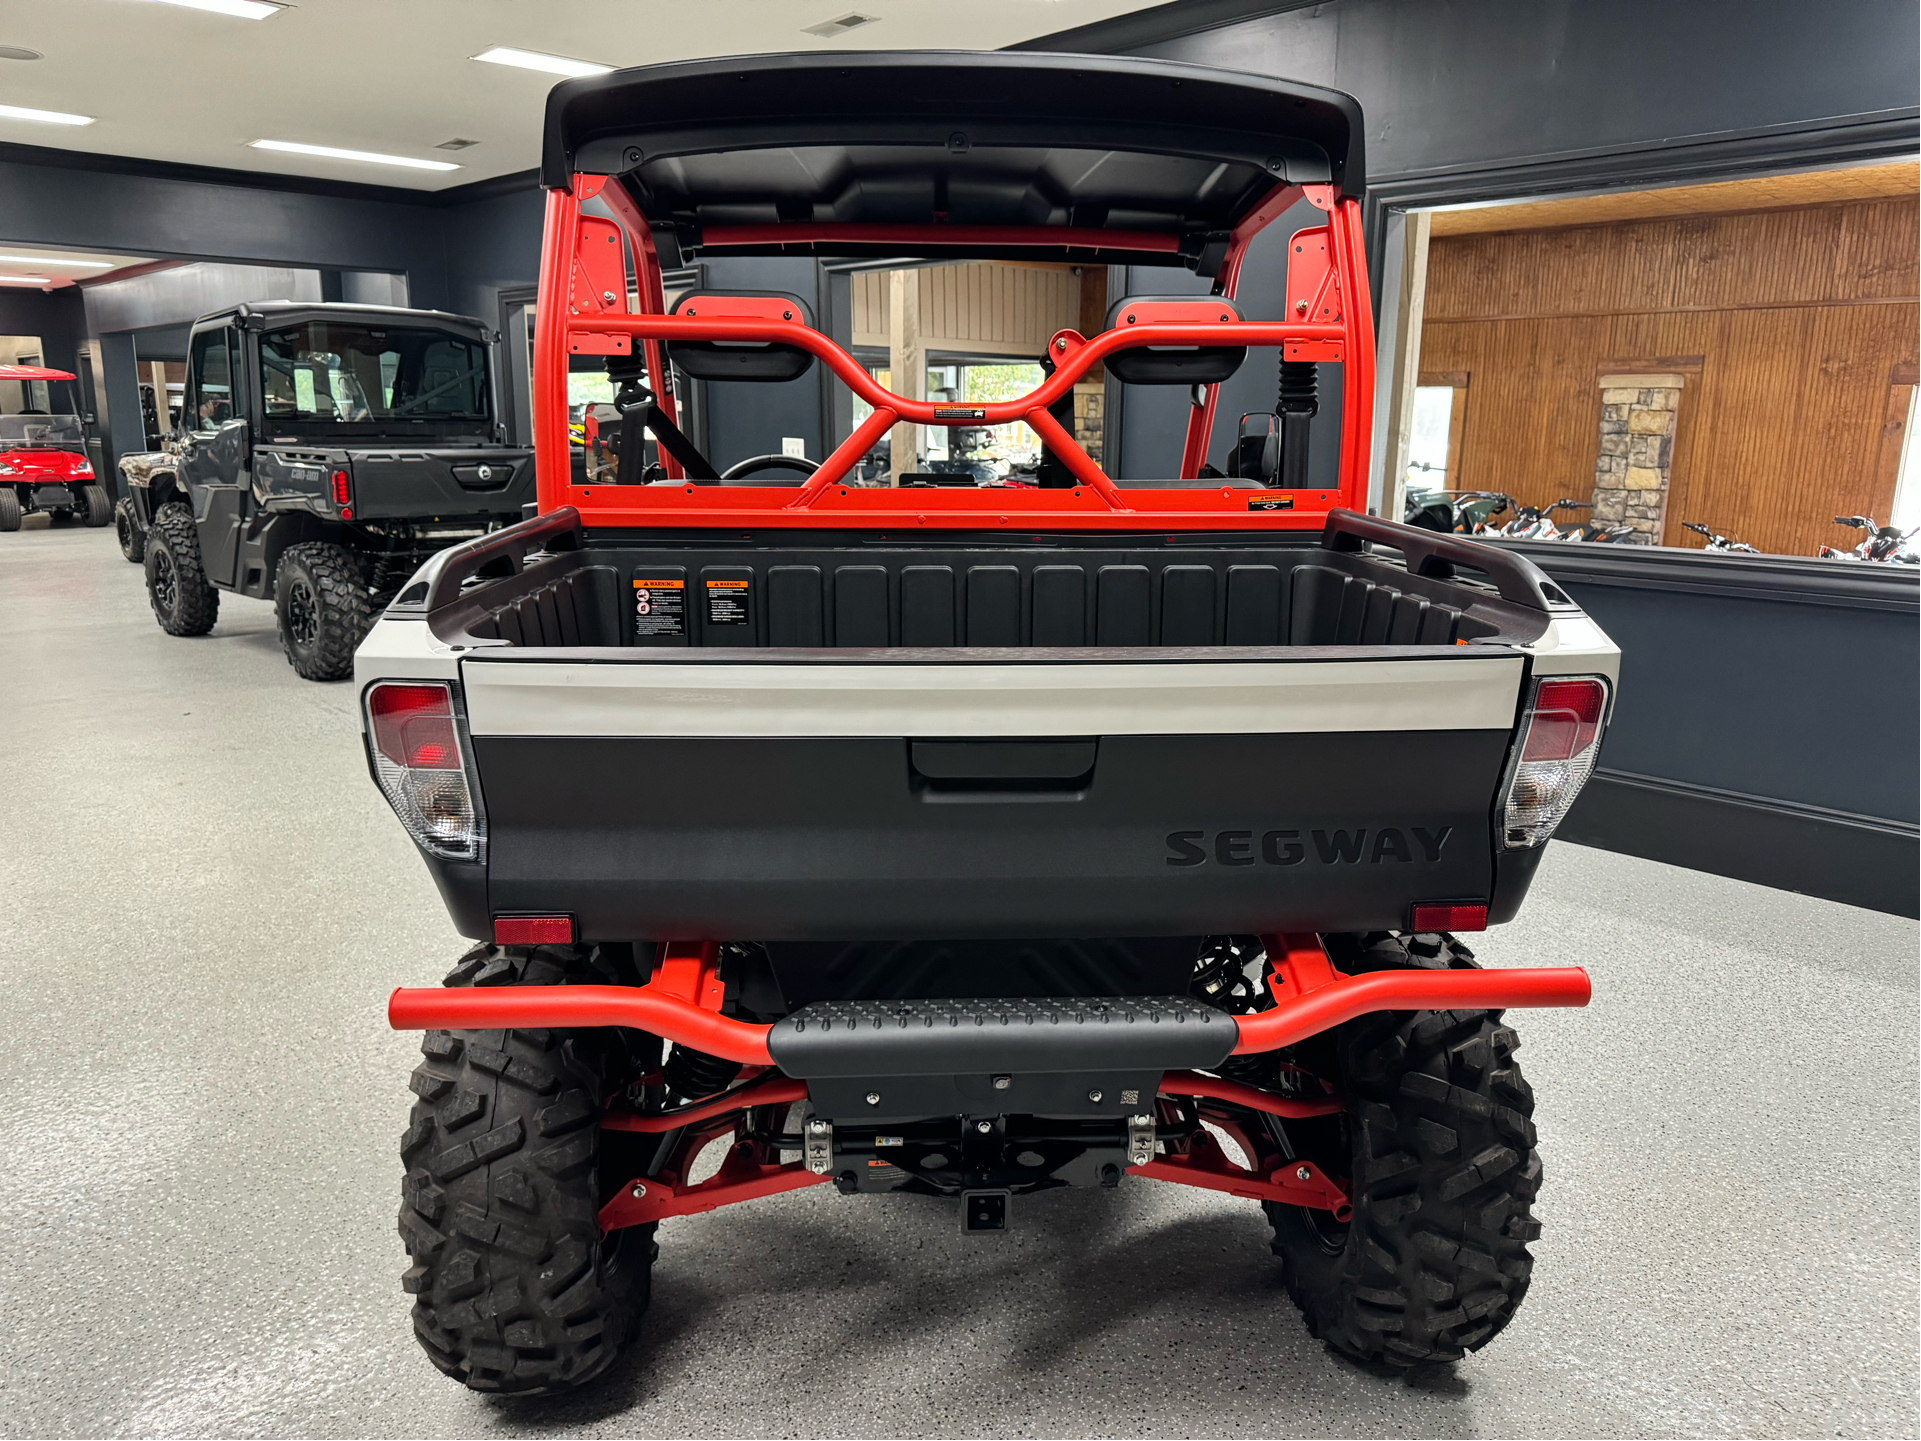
(203, 903)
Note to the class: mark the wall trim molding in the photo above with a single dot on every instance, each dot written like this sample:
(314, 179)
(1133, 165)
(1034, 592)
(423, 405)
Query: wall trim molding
(1863, 861)
(1647, 165)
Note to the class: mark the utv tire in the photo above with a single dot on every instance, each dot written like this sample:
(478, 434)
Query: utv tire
(516, 1290)
(177, 588)
(9, 509)
(1443, 1167)
(126, 525)
(95, 509)
(321, 609)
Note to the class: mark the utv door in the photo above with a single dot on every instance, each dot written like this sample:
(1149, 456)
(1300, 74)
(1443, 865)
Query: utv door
(213, 448)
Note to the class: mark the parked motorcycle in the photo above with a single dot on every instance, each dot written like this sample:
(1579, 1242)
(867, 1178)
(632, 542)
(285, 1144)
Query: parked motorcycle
(1883, 544)
(1458, 512)
(1720, 544)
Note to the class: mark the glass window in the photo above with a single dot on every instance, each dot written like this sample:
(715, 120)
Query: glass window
(328, 372)
(213, 380)
(1427, 440)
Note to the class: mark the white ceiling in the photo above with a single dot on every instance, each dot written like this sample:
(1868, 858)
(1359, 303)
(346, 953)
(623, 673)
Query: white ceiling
(170, 83)
(61, 267)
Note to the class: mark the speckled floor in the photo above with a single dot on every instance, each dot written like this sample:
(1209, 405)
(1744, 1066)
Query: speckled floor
(205, 903)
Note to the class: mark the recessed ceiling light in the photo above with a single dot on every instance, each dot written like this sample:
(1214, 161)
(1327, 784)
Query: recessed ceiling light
(239, 9)
(25, 280)
(57, 260)
(840, 24)
(370, 157)
(19, 52)
(534, 60)
(46, 117)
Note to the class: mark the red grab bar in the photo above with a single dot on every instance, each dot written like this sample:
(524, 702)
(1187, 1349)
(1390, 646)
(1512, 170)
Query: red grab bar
(1342, 999)
(493, 1008)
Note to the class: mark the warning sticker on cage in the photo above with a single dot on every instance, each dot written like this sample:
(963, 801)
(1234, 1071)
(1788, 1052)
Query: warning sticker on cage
(1271, 502)
(660, 607)
(959, 412)
(727, 602)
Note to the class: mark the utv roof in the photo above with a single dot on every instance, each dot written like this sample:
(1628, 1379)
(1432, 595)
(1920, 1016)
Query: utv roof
(281, 311)
(950, 137)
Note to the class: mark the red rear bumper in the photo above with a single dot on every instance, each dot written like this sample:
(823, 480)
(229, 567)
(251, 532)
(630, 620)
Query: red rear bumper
(1310, 997)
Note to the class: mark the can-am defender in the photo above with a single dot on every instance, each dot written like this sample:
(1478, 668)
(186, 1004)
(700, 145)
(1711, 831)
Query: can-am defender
(323, 452)
(43, 452)
(959, 840)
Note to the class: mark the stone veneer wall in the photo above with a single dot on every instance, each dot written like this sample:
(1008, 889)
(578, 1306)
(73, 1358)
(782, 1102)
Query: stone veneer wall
(1090, 415)
(1636, 456)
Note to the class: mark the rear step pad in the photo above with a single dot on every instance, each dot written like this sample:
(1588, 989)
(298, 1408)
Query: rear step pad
(843, 1039)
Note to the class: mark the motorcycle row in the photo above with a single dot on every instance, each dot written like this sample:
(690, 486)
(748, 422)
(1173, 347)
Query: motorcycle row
(1480, 512)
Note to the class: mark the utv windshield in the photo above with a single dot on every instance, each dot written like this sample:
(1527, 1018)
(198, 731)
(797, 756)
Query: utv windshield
(39, 412)
(361, 373)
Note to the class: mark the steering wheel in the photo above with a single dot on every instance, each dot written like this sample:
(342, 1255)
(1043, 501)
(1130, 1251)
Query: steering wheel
(754, 464)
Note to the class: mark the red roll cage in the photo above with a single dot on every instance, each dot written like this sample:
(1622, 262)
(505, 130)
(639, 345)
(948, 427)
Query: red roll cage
(583, 307)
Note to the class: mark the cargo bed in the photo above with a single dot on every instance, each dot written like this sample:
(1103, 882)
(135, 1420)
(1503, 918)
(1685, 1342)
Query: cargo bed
(845, 739)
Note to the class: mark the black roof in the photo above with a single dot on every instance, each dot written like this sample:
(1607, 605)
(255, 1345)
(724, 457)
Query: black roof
(961, 137)
(291, 311)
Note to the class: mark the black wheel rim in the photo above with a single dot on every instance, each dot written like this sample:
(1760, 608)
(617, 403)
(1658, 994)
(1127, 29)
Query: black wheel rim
(166, 584)
(303, 613)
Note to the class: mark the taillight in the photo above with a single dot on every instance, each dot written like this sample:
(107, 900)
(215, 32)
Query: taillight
(1560, 738)
(420, 766)
(343, 492)
(1448, 916)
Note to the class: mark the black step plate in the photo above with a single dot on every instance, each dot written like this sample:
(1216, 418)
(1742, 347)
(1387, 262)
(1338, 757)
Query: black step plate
(984, 1037)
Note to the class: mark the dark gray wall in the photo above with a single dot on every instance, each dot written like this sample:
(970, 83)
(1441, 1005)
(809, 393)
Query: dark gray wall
(1768, 725)
(58, 317)
(1473, 83)
(169, 217)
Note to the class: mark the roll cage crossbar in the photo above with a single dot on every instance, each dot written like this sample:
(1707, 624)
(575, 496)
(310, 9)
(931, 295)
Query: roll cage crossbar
(583, 308)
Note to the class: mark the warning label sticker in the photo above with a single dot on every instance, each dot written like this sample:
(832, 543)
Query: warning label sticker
(1271, 502)
(660, 607)
(727, 602)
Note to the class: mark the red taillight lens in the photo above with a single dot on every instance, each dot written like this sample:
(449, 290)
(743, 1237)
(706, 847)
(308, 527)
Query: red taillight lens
(533, 930)
(1448, 916)
(1566, 720)
(413, 726)
(343, 494)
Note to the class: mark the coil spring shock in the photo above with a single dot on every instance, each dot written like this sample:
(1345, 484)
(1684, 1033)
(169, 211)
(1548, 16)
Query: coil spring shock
(694, 1074)
(1221, 979)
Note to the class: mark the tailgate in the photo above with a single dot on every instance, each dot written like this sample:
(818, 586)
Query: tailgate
(404, 484)
(780, 796)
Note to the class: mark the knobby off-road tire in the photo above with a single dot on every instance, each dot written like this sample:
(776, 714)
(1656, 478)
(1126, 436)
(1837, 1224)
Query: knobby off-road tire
(321, 609)
(1435, 1260)
(95, 509)
(177, 588)
(516, 1291)
(126, 526)
(10, 511)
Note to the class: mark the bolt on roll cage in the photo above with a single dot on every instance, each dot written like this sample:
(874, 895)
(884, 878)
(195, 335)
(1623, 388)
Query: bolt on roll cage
(580, 308)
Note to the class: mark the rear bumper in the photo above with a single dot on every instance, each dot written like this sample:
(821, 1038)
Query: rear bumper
(1311, 998)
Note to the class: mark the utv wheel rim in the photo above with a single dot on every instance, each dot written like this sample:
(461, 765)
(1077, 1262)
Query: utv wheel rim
(165, 584)
(303, 614)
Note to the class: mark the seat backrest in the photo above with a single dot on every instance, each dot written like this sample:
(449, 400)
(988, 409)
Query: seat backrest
(1174, 364)
(742, 360)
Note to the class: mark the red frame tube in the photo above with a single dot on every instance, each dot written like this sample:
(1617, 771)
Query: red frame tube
(644, 1008)
(1095, 504)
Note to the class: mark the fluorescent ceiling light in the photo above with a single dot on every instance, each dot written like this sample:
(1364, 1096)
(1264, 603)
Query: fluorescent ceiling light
(534, 60)
(329, 152)
(57, 260)
(239, 9)
(48, 117)
(25, 280)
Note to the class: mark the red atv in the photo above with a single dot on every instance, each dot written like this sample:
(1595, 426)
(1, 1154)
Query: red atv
(43, 452)
(968, 841)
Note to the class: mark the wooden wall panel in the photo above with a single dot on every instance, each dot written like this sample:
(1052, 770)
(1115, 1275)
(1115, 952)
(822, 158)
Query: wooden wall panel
(1790, 326)
(985, 307)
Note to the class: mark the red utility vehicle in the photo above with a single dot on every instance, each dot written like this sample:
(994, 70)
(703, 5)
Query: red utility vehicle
(43, 452)
(969, 841)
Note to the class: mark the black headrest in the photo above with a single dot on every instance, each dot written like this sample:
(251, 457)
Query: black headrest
(742, 360)
(1173, 365)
